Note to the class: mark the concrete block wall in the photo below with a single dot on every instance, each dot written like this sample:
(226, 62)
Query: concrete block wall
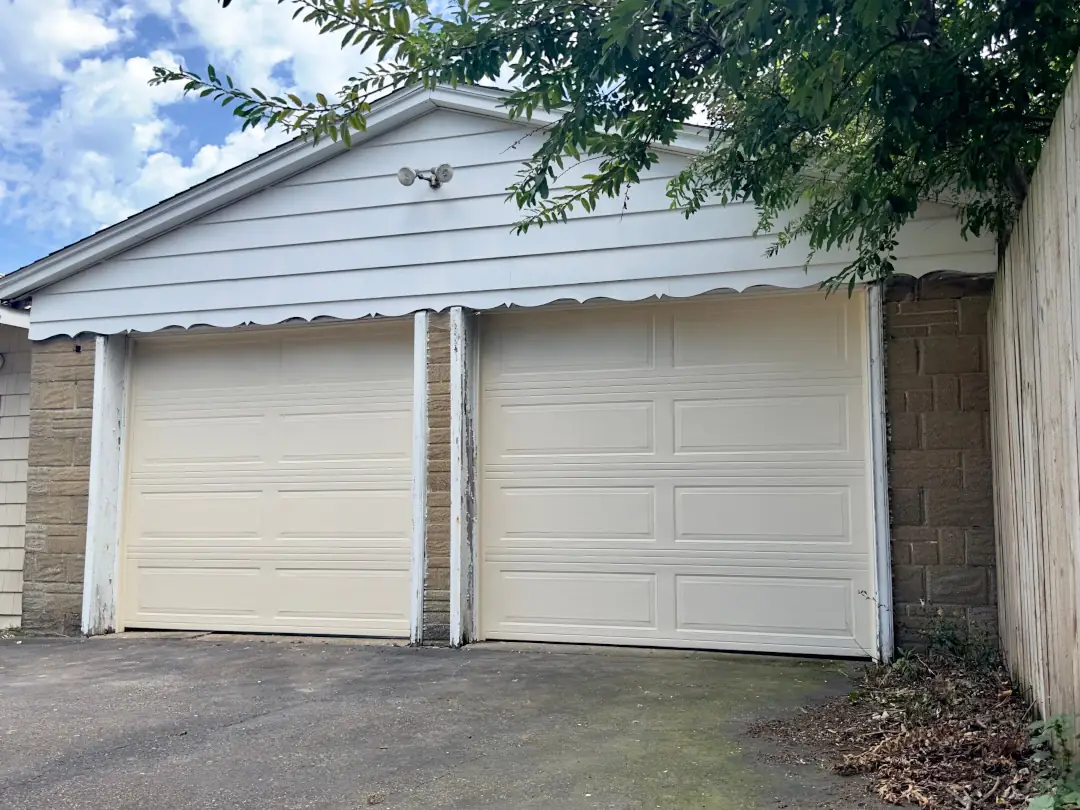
(941, 492)
(436, 625)
(58, 482)
(14, 441)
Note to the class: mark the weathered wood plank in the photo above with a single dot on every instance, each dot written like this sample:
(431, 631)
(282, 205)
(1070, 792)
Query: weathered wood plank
(1034, 348)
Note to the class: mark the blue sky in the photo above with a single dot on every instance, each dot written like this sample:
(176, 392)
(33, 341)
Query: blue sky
(85, 141)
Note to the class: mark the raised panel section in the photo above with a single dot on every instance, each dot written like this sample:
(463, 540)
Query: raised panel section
(773, 513)
(347, 514)
(783, 423)
(765, 333)
(572, 342)
(210, 439)
(157, 517)
(576, 600)
(380, 355)
(192, 368)
(758, 604)
(334, 595)
(298, 477)
(332, 437)
(569, 513)
(574, 428)
(208, 592)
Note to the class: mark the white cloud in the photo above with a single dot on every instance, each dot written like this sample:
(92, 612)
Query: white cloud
(164, 174)
(257, 37)
(38, 36)
(84, 141)
(90, 147)
(14, 115)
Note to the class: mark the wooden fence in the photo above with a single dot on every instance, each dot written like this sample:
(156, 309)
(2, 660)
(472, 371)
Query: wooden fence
(1034, 339)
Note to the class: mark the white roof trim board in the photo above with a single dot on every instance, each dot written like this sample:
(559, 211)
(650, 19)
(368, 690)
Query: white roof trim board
(344, 241)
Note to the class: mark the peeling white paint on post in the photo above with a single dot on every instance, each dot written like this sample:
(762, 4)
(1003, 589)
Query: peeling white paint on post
(882, 595)
(419, 476)
(462, 466)
(471, 555)
(101, 571)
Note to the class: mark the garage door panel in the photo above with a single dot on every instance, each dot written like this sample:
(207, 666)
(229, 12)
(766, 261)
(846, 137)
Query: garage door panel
(781, 423)
(334, 594)
(572, 428)
(727, 606)
(156, 517)
(573, 513)
(778, 513)
(787, 605)
(205, 440)
(747, 509)
(268, 490)
(378, 354)
(171, 589)
(344, 514)
(767, 333)
(337, 437)
(754, 512)
(720, 422)
(537, 601)
(193, 367)
(571, 341)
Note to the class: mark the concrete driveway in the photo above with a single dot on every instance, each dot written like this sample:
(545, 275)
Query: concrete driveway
(240, 722)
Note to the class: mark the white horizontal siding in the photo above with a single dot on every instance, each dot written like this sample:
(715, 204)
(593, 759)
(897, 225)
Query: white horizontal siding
(14, 442)
(345, 239)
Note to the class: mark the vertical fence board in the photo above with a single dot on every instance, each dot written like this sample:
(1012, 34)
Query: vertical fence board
(1071, 180)
(1034, 347)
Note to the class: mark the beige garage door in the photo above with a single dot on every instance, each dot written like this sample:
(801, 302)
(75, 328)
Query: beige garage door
(268, 481)
(687, 474)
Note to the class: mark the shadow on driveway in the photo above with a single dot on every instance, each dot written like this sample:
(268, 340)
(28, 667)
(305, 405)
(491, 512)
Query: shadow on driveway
(268, 723)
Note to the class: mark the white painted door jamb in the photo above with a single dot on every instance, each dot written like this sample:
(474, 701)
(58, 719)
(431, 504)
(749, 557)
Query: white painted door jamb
(882, 595)
(101, 571)
(472, 624)
(419, 476)
(462, 475)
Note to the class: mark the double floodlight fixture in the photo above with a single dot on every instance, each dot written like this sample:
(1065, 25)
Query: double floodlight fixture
(435, 177)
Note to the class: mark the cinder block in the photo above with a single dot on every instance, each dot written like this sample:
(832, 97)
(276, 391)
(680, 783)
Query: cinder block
(948, 431)
(957, 585)
(909, 583)
(959, 508)
(950, 355)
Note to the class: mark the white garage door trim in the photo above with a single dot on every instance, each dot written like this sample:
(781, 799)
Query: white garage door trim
(879, 459)
(879, 589)
(101, 573)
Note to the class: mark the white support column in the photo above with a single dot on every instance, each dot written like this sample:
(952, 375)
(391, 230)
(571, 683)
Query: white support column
(462, 469)
(101, 572)
(879, 449)
(419, 476)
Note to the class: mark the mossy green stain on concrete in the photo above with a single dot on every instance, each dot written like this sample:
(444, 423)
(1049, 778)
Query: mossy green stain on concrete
(665, 731)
